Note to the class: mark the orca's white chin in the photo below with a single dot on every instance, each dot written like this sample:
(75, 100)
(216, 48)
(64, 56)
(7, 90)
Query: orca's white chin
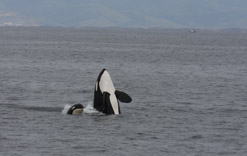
(78, 111)
(75, 109)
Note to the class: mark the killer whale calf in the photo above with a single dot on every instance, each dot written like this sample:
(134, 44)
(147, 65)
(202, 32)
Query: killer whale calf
(106, 96)
(75, 109)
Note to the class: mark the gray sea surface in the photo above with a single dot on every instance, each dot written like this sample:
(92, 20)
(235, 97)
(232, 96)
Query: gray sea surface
(189, 92)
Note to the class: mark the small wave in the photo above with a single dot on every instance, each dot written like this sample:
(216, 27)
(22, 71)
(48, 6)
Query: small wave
(32, 108)
(84, 91)
(88, 89)
(197, 137)
(41, 109)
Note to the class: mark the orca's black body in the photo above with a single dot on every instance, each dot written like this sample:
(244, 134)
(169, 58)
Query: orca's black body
(106, 96)
(75, 109)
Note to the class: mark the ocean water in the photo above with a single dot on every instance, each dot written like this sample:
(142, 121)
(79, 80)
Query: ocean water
(189, 92)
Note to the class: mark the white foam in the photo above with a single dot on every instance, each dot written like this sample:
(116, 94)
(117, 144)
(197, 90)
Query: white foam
(66, 108)
(89, 109)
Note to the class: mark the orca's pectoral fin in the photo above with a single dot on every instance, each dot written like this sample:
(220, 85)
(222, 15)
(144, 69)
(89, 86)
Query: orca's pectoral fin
(123, 97)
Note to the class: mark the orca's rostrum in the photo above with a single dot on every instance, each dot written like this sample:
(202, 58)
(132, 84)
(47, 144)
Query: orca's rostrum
(106, 96)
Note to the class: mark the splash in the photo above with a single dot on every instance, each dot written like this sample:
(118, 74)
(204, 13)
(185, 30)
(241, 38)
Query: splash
(89, 109)
(66, 108)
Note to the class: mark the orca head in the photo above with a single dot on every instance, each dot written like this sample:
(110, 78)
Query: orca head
(75, 109)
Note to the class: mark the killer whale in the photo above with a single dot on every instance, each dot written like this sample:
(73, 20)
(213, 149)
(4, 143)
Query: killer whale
(75, 109)
(106, 96)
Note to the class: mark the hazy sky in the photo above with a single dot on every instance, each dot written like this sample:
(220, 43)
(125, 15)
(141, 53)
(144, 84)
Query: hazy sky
(126, 13)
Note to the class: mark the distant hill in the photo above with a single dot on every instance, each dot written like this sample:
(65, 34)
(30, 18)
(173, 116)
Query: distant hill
(11, 18)
(126, 13)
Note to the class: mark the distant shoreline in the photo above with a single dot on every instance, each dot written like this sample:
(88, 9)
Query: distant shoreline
(241, 30)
